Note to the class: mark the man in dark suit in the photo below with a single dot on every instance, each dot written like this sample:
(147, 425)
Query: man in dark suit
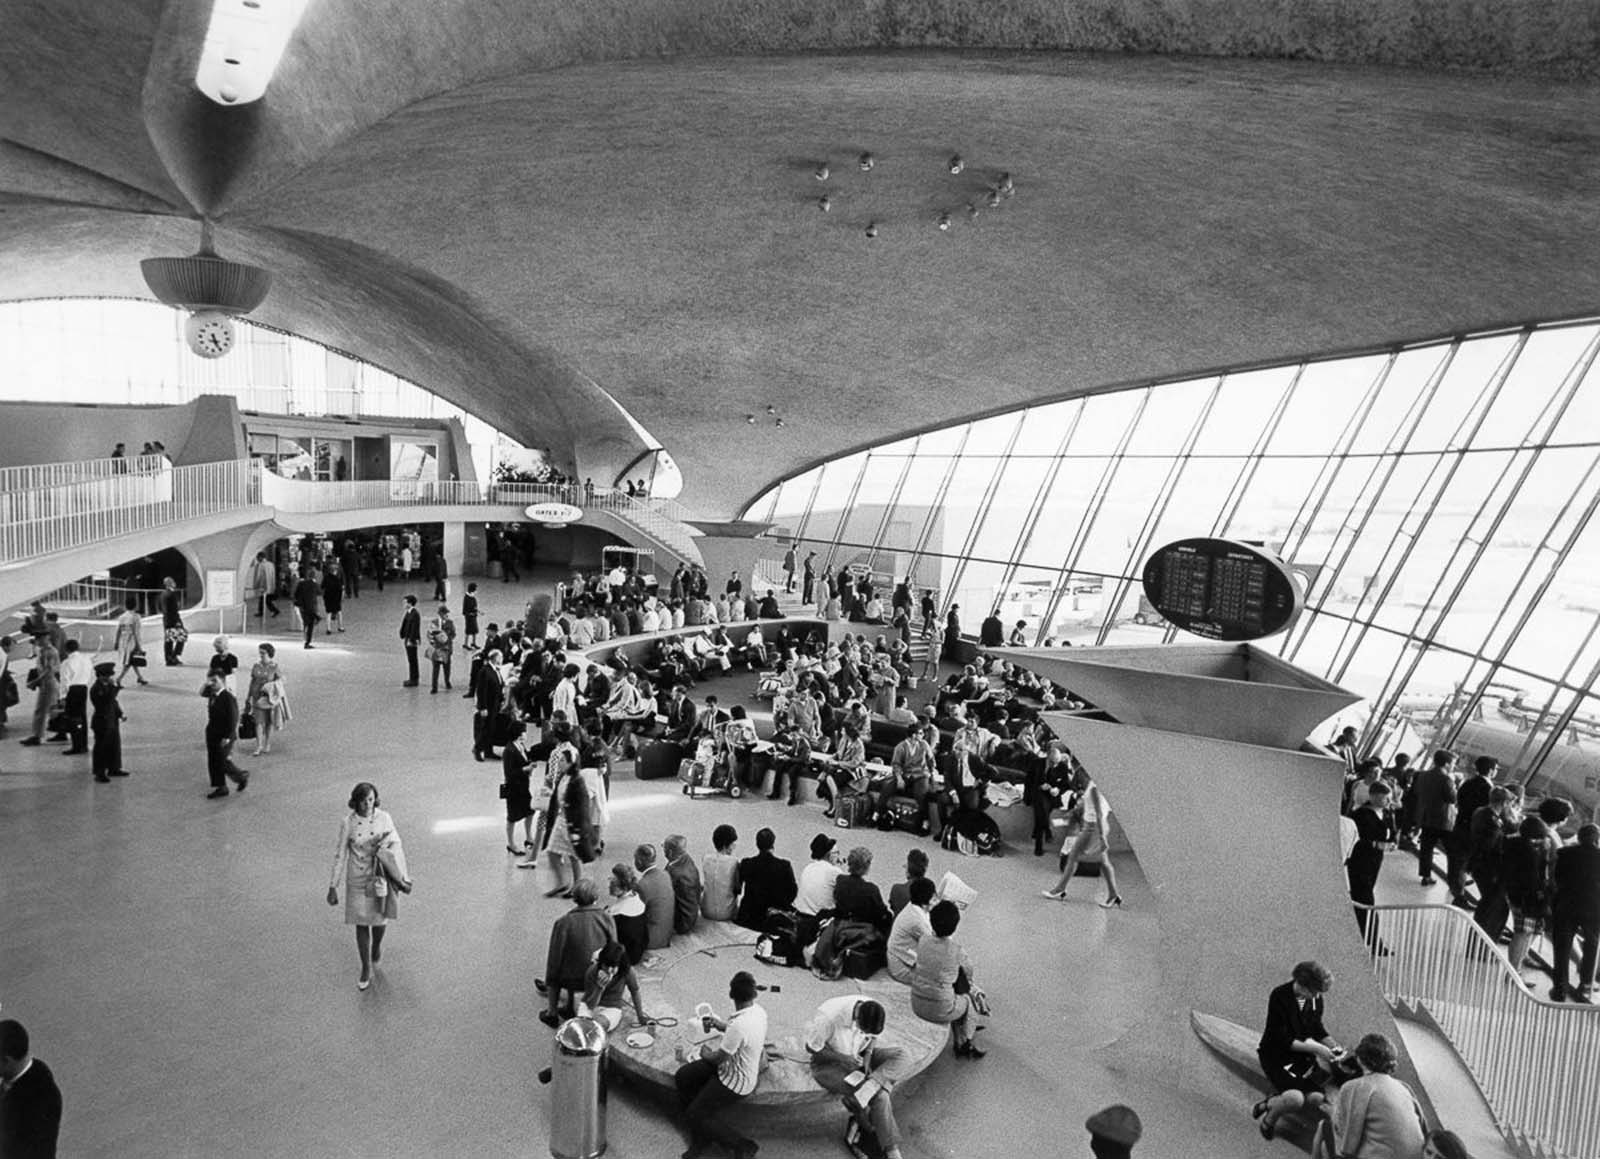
(655, 890)
(411, 637)
(222, 727)
(766, 881)
(491, 701)
(1576, 910)
(1470, 797)
(680, 716)
(1436, 810)
(30, 1101)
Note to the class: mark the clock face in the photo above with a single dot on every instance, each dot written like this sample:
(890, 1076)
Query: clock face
(210, 335)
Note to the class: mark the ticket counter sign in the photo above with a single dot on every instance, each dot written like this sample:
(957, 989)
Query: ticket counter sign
(554, 514)
(1221, 589)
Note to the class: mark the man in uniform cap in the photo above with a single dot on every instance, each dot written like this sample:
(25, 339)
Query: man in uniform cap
(1113, 1131)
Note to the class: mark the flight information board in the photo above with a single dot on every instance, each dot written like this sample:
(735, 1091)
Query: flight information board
(1222, 589)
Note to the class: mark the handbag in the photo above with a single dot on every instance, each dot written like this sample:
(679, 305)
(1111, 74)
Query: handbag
(504, 795)
(247, 727)
(138, 659)
(9, 695)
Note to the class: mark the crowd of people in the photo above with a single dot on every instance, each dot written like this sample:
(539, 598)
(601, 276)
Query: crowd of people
(1530, 874)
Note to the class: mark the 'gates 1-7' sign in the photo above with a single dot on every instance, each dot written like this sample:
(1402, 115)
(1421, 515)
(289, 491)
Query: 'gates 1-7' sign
(1222, 589)
(554, 514)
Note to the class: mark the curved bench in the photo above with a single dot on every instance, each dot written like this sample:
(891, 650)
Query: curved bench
(696, 968)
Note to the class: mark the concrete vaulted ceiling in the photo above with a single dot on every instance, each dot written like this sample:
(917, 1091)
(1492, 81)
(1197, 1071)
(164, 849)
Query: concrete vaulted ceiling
(525, 204)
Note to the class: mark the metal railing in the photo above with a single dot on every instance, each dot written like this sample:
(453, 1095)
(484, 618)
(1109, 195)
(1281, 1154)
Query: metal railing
(42, 475)
(106, 598)
(64, 506)
(1536, 1062)
(44, 520)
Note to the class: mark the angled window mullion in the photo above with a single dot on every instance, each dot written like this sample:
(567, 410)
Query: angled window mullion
(1346, 534)
(1036, 513)
(1096, 502)
(1317, 496)
(844, 513)
(1561, 553)
(1002, 461)
(936, 507)
(893, 503)
(811, 502)
(1466, 432)
(1534, 436)
(1564, 722)
(1096, 497)
(1158, 509)
(1360, 622)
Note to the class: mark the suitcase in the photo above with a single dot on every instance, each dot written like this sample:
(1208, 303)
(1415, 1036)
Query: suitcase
(905, 813)
(862, 962)
(659, 759)
(693, 773)
(854, 811)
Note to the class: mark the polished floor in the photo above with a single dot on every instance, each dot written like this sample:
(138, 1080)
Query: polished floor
(178, 966)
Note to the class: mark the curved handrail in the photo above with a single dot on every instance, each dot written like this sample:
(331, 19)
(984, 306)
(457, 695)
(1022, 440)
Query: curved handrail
(1533, 1059)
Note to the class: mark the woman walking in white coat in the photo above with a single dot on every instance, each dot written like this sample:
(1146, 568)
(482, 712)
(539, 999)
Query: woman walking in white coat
(372, 864)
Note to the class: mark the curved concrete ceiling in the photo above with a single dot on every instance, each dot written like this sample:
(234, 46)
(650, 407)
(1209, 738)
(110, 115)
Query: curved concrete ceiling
(517, 203)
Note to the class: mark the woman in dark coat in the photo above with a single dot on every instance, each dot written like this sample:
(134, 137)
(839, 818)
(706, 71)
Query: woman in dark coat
(517, 789)
(1296, 1050)
(333, 597)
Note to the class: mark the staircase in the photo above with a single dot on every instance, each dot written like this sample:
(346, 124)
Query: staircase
(664, 522)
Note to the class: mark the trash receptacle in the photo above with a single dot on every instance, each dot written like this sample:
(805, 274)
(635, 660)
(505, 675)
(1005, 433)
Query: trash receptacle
(578, 1090)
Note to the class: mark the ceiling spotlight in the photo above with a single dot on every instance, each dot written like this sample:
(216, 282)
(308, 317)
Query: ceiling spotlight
(751, 419)
(957, 164)
(825, 203)
(866, 161)
(994, 198)
(872, 229)
(944, 221)
(772, 410)
(779, 423)
(972, 210)
(1007, 186)
(822, 172)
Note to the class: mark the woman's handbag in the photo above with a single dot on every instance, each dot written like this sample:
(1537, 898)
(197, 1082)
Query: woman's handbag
(137, 658)
(247, 727)
(9, 695)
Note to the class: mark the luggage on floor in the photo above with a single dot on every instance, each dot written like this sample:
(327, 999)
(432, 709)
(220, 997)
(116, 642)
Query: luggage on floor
(905, 814)
(853, 811)
(658, 759)
(866, 959)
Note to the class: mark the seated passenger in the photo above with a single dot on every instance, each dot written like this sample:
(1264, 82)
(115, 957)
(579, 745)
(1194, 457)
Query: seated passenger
(687, 888)
(943, 988)
(609, 977)
(842, 1040)
(815, 894)
(766, 881)
(791, 758)
(844, 774)
(1296, 1051)
(720, 873)
(1376, 1115)
(909, 927)
(627, 910)
(655, 889)
(768, 608)
(855, 898)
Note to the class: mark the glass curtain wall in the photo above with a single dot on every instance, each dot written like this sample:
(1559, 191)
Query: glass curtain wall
(1436, 500)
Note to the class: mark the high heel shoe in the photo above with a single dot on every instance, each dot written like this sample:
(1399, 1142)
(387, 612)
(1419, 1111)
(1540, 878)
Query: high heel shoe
(968, 1050)
(1111, 903)
(1053, 895)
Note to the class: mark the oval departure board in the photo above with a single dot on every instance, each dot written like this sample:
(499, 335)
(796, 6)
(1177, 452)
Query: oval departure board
(1222, 590)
